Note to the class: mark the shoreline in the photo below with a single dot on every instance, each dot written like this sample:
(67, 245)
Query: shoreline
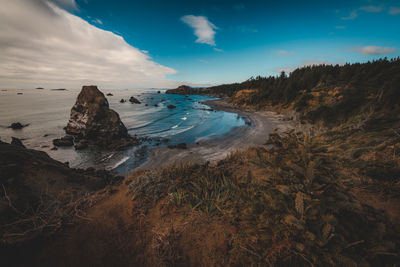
(259, 124)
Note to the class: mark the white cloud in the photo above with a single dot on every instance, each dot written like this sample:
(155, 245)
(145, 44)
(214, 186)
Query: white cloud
(394, 10)
(353, 15)
(41, 43)
(372, 9)
(218, 49)
(374, 50)
(282, 52)
(203, 28)
(98, 21)
(244, 28)
(67, 4)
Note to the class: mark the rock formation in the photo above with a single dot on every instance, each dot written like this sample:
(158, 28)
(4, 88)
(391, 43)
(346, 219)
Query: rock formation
(17, 125)
(92, 119)
(134, 100)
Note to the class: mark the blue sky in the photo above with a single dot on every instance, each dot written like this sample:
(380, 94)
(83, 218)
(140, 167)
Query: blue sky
(159, 43)
(257, 37)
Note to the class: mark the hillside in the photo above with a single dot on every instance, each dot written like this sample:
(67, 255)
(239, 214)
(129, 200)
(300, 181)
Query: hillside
(325, 196)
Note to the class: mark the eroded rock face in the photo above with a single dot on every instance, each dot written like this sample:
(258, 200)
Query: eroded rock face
(92, 119)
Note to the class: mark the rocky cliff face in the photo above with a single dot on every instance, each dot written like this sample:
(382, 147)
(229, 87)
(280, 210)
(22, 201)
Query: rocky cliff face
(91, 117)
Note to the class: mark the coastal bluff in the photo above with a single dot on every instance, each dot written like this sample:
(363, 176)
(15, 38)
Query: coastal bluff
(187, 90)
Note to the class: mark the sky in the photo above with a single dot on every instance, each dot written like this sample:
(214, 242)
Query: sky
(162, 44)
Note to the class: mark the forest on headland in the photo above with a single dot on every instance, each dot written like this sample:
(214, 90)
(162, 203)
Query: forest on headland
(328, 93)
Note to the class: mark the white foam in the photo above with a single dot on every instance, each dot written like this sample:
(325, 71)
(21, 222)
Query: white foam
(119, 163)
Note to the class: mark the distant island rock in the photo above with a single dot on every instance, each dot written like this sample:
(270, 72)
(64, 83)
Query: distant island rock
(59, 89)
(93, 121)
(39, 88)
(17, 125)
(134, 100)
(187, 90)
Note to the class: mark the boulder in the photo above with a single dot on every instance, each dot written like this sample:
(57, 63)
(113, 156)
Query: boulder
(92, 119)
(17, 142)
(134, 100)
(17, 125)
(181, 146)
(81, 145)
(64, 141)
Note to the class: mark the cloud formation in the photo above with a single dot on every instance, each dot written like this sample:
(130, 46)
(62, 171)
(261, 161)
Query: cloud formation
(375, 50)
(394, 10)
(41, 44)
(372, 9)
(203, 28)
(353, 15)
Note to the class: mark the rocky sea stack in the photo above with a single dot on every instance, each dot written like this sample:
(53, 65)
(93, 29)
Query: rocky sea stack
(92, 120)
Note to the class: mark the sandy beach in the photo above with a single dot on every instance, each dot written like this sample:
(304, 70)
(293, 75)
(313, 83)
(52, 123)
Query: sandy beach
(260, 125)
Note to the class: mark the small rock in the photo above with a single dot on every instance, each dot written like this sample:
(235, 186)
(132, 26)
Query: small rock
(171, 106)
(17, 125)
(54, 148)
(165, 140)
(17, 142)
(156, 105)
(134, 100)
(109, 94)
(122, 101)
(158, 92)
(81, 145)
(64, 141)
(19, 93)
(181, 146)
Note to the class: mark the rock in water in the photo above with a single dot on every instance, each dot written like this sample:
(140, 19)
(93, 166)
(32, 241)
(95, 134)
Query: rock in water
(134, 100)
(92, 119)
(17, 142)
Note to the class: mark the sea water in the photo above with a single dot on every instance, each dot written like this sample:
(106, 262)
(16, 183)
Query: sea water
(47, 113)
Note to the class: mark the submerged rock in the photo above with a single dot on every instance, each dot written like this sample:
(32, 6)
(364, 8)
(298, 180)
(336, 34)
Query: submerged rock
(171, 106)
(134, 100)
(91, 118)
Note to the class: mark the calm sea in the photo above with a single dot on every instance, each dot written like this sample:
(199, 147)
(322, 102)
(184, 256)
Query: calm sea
(47, 113)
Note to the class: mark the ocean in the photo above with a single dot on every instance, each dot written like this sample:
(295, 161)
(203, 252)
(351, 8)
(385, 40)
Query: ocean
(47, 113)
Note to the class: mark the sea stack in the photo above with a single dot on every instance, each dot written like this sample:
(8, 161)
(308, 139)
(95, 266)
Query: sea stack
(92, 119)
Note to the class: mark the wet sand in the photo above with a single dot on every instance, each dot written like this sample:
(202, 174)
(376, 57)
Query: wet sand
(261, 124)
